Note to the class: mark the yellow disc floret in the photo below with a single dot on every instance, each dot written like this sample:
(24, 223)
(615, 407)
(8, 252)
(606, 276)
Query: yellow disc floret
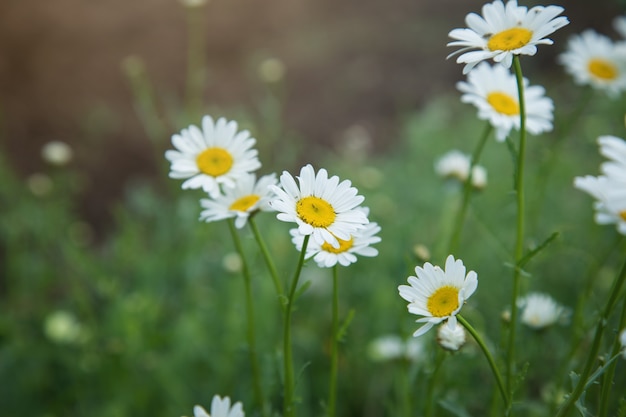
(443, 301)
(622, 215)
(603, 69)
(509, 39)
(214, 161)
(344, 245)
(244, 203)
(503, 103)
(315, 211)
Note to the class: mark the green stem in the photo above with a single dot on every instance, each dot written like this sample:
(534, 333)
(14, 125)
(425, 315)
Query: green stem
(595, 347)
(519, 241)
(607, 380)
(268, 260)
(288, 408)
(251, 336)
(334, 348)
(467, 191)
(430, 394)
(195, 61)
(492, 363)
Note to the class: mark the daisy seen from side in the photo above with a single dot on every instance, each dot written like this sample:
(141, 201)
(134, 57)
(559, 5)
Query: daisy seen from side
(455, 164)
(438, 294)
(504, 31)
(214, 156)
(321, 206)
(493, 90)
(220, 407)
(594, 59)
(609, 189)
(327, 256)
(246, 198)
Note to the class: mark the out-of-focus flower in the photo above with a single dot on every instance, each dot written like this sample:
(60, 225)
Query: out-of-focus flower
(393, 347)
(57, 153)
(619, 23)
(493, 90)
(218, 155)
(220, 407)
(540, 311)
(39, 184)
(594, 59)
(608, 189)
(62, 327)
(247, 197)
(455, 164)
(622, 341)
(232, 262)
(438, 294)
(271, 70)
(322, 207)
(451, 338)
(327, 256)
(504, 31)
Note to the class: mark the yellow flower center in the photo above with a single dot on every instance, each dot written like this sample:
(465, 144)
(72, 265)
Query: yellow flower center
(344, 245)
(509, 39)
(244, 203)
(214, 161)
(444, 301)
(503, 103)
(622, 215)
(315, 211)
(603, 69)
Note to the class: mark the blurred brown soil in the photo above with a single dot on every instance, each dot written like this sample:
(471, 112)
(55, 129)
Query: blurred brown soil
(348, 63)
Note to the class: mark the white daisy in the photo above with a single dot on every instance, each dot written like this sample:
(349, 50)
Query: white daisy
(540, 311)
(451, 338)
(503, 31)
(322, 207)
(215, 156)
(327, 256)
(247, 197)
(594, 59)
(438, 294)
(57, 153)
(220, 407)
(456, 164)
(493, 90)
(609, 189)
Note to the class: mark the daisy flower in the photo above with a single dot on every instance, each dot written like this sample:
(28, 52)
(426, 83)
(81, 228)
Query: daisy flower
(218, 155)
(451, 338)
(456, 164)
(594, 59)
(327, 256)
(322, 207)
(246, 198)
(220, 408)
(503, 31)
(540, 311)
(493, 90)
(438, 294)
(609, 189)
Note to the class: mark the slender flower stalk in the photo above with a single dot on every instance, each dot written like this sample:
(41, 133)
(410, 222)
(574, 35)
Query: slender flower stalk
(288, 407)
(467, 191)
(519, 241)
(251, 336)
(595, 346)
(607, 380)
(432, 383)
(268, 260)
(334, 348)
(489, 357)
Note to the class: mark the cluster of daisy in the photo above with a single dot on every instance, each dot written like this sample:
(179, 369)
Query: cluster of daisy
(609, 188)
(220, 159)
(220, 407)
(595, 59)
